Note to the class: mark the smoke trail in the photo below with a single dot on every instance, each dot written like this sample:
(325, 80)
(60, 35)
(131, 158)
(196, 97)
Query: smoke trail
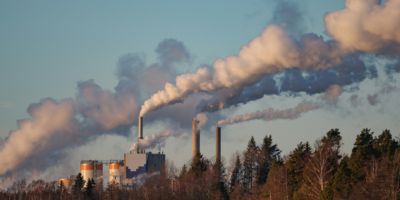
(271, 114)
(275, 50)
(156, 140)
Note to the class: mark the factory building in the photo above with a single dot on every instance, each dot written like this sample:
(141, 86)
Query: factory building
(137, 163)
(126, 172)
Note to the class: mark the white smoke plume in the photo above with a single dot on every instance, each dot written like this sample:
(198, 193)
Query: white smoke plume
(271, 114)
(49, 120)
(156, 140)
(105, 108)
(271, 52)
(364, 25)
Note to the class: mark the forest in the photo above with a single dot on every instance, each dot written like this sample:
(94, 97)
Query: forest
(318, 171)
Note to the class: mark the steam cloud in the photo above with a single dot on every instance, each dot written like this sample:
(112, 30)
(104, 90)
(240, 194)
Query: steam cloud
(50, 120)
(157, 139)
(363, 26)
(271, 114)
(352, 70)
(54, 126)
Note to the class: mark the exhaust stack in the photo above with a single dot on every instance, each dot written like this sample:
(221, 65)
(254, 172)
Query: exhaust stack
(195, 138)
(218, 144)
(140, 128)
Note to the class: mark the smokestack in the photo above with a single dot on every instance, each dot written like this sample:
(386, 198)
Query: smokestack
(195, 138)
(218, 144)
(140, 128)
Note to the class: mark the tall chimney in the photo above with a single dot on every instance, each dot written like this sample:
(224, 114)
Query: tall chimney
(195, 138)
(218, 144)
(140, 128)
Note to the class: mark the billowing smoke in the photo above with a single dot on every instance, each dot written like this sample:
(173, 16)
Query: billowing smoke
(275, 50)
(366, 25)
(55, 126)
(271, 114)
(50, 121)
(269, 53)
(156, 140)
(292, 81)
(104, 108)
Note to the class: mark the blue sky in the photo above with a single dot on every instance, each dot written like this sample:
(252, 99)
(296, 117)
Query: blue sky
(46, 47)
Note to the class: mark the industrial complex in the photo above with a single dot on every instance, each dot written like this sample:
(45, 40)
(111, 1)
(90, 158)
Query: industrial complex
(136, 164)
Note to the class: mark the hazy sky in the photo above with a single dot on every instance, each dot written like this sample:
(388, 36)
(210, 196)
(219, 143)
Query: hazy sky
(46, 47)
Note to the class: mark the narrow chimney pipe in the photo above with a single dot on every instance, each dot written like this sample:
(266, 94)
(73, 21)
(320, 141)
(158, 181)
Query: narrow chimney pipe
(140, 128)
(218, 144)
(195, 138)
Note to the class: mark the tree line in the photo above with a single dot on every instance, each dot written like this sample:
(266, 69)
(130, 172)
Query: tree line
(321, 171)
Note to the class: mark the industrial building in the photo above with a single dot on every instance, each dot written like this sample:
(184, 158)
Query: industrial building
(138, 163)
(134, 165)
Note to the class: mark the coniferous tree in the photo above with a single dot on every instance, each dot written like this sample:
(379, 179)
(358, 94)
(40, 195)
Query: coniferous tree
(250, 165)
(89, 189)
(236, 174)
(362, 152)
(342, 181)
(384, 145)
(269, 153)
(218, 181)
(79, 183)
(295, 167)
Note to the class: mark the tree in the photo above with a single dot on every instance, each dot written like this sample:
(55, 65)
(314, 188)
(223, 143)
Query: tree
(236, 173)
(322, 166)
(341, 185)
(269, 153)
(361, 153)
(183, 171)
(218, 185)
(198, 165)
(78, 186)
(276, 186)
(295, 166)
(79, 182)
(89, 189)
(250, 164)
(384, 145)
